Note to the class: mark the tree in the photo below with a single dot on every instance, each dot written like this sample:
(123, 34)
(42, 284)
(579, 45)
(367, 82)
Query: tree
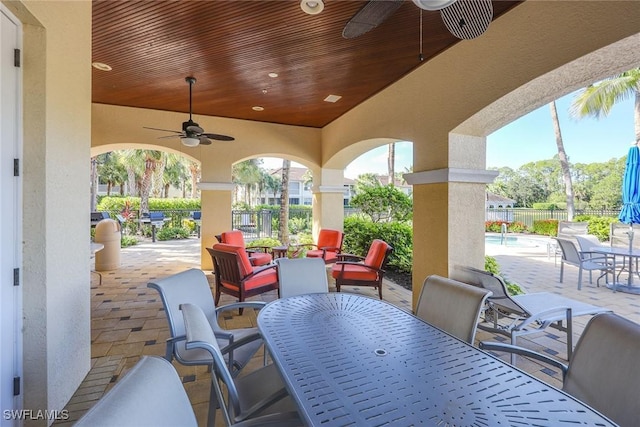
(383, 203)
(391, 163)
(283, 231)
(247, 174)
(564, 162)
(598, 99)
(366, 180)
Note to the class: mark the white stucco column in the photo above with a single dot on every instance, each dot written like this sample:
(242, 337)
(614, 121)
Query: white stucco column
(328, 196)
(448, 211)
(215, 198)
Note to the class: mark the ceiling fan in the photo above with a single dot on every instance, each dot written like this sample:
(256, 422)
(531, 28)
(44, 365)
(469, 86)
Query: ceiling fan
(465, 19)
(192, 134)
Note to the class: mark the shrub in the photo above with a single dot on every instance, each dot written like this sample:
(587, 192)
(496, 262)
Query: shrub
(491, 265)
(493, 226)
(546, 227)
(264, 241)
(360, 232)
(297, 225)
(171, 233)
(546, 206)
(383, 203)
(127, 241)
(517, 227)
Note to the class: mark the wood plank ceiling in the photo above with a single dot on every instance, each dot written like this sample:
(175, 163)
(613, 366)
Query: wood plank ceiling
(232, 46)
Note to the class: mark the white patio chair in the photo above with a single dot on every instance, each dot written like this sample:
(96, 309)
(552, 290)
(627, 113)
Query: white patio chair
(192, 286)
(524, 314)
(248, 397)
(150, 393)
(300, 276)
(451, 306)
(584, 261)
(602, 371)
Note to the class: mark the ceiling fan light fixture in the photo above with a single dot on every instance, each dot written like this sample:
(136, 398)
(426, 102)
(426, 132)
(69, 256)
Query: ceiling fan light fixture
(312, 7)
(190, 141)
(433, 4)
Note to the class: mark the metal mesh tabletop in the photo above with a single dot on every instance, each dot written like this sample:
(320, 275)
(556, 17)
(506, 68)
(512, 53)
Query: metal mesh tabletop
(350, 360)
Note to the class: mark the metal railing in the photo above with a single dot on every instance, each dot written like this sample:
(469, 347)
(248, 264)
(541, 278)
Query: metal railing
(528, 216)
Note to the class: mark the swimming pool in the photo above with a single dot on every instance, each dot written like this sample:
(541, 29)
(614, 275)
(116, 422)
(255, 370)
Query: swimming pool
(513, 241)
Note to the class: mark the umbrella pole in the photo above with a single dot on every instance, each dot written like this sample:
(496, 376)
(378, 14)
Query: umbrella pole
(630, 280)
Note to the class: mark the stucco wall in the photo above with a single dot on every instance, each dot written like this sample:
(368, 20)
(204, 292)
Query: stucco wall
(57, 119)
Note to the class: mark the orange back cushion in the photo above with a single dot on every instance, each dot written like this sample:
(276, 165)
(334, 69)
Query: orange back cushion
(234, 238)
(376, 254)
(329, 238)
(243, 259)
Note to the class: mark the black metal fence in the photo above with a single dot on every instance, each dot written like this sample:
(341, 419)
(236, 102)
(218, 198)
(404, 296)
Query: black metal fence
(528, 216)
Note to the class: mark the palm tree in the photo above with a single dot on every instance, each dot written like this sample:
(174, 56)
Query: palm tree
(596, 100)
(391, 163)
(283, 232)
(564, 162)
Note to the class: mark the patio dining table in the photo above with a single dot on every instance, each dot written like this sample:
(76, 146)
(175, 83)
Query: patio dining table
(349, 360)
(628, 256)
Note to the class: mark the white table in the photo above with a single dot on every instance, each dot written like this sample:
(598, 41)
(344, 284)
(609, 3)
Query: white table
(349, 360)
(630, 255)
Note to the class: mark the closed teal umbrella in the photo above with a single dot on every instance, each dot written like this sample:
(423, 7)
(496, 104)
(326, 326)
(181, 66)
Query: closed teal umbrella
(630, 212)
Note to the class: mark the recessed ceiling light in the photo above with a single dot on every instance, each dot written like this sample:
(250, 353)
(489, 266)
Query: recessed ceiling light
(332, 98)
(273, 75)
(257, 108)
(312, 7)
(101, 66)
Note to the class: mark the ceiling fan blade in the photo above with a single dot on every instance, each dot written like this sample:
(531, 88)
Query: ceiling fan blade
(205, 141)
(171, 136)
(467, 19)
(194, 128)
(218, 137)
(163, 130)
(372, 14)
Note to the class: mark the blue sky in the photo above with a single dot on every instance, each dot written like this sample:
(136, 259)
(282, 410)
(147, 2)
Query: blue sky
(531, 138)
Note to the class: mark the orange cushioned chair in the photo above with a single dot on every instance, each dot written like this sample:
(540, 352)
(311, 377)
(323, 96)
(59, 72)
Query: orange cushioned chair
(257, 256)
(328, 247)
(365, 272)
(237, 277)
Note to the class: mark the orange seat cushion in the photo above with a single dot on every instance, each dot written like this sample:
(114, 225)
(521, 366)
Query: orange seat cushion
(377, 252)
(353, 272)
(264, 278)
(329, 239)
(243, 259)
(316, 253)
(260, 258)
(234, 238)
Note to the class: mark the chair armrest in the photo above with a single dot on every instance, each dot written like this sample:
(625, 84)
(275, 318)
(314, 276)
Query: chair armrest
(254, 249)
(236, 305)
(508, 348)
(350, 257)
(171, 345)
(359, 264)
(330, 248)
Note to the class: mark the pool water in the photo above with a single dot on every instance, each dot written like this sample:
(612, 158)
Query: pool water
(513, 241)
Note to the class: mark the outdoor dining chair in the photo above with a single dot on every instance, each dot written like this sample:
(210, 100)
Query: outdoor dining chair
(354, 270)
(328, 246)
(451, 306)
(236, 276)
(248, 397)
(584, 261)
(298, 276)
(602, 371)
(192, 286)
(258, 256)
(524, 314)
(149, 394)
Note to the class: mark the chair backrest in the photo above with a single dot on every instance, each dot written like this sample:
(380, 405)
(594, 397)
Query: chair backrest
(233, 238)
(328, 238)
(490, 282)
(150, 393)
(587, 241)
(377, 254)
(189, 286)
(200, 335)
(602, 372)
(300, 276)
(570, 253)
(619, 235)
(451, 306)
(231, 263)
(569, 229)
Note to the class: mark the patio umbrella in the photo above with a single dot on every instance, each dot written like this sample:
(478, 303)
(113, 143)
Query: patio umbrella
(630, 212)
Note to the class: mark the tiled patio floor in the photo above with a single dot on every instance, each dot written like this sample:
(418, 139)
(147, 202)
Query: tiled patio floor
(128, 320)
